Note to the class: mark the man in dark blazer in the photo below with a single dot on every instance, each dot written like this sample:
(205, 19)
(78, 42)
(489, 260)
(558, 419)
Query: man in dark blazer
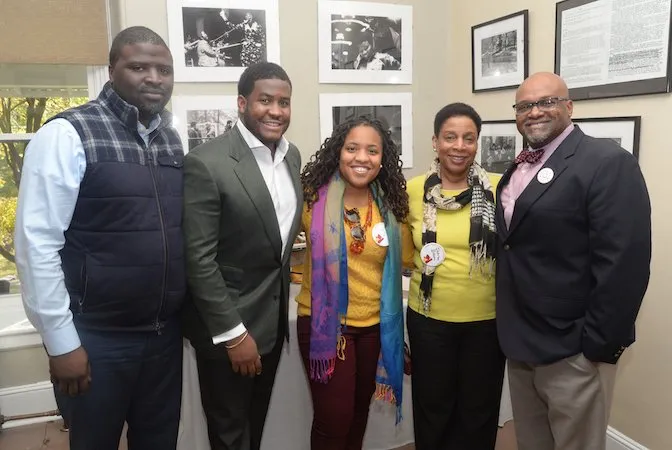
(243, 199)
(574, 220)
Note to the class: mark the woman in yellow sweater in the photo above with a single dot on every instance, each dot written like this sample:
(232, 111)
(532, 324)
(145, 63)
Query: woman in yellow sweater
(458, 366)
(350, 325)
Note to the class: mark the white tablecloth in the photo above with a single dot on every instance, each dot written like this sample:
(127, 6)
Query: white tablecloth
(290, 414)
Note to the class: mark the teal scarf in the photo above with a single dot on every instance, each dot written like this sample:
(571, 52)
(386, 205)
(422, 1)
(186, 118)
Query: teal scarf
(329, 292)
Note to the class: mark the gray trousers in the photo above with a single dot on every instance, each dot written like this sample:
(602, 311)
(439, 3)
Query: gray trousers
(561, 406)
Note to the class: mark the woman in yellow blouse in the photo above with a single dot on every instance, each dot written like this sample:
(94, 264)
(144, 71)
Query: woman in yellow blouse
(350, 325)
(458, 366)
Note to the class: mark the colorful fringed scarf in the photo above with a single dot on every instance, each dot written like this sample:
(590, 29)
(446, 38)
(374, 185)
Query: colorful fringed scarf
(329, 293)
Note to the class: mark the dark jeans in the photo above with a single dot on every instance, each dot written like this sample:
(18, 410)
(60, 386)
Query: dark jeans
(458, 371)
(341, 406)
(136, 377)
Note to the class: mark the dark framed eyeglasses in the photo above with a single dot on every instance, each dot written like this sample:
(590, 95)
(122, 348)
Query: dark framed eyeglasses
(356, 230)
(545, 104)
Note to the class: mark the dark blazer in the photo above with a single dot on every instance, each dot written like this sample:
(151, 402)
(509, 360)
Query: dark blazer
(235, 266)
(573, 267)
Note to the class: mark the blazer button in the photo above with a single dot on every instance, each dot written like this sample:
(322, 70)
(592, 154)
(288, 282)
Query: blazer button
(507, 247)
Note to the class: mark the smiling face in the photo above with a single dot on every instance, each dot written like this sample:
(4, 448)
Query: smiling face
(541, 126)
(456, 146)
(361, 156)
(267, 111)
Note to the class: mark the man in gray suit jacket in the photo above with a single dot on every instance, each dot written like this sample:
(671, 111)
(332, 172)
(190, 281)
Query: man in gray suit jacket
(242, 211)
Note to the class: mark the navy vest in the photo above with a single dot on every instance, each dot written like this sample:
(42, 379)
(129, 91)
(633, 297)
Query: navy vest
(123, 256)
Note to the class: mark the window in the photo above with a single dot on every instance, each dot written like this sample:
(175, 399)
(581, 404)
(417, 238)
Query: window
(29, 96)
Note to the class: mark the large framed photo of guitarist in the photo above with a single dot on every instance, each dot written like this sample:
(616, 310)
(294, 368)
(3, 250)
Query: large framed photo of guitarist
(218, 43)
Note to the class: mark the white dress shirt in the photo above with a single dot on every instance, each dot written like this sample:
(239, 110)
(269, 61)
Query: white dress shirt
(53, 168)
(281, 187)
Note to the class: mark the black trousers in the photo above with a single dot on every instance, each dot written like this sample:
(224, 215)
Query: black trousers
(458, 371)
(235, 406)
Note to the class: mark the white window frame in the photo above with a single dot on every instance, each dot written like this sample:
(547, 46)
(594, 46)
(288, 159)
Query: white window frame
(22, 334)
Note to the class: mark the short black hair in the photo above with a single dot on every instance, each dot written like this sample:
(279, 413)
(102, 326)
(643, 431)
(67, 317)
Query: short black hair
(260, 71)
(133, 35)
(455, 110)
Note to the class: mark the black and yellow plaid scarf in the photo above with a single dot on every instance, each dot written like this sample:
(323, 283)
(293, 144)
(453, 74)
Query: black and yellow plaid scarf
(482, 232)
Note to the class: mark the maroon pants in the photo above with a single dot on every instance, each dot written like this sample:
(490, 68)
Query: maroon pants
(341, 406)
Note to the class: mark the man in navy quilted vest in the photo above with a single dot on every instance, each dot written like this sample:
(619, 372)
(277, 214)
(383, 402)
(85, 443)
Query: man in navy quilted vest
(99, 252)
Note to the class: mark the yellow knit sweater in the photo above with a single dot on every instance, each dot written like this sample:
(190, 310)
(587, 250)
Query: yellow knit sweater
(365, 272)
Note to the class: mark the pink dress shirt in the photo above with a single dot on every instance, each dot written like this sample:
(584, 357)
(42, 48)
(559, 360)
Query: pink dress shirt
(524, 173)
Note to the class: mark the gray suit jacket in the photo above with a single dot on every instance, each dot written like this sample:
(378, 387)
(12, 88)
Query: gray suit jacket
(235, 265)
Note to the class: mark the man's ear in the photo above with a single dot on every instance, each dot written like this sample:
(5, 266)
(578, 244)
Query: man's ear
(242, 104)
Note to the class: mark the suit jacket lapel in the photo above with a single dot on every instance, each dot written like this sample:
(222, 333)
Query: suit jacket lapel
(248, 172)
(294, 163)
(557, 163)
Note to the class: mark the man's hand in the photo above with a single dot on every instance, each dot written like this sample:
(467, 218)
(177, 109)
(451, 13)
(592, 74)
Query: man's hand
(245, 358)
(71, 371)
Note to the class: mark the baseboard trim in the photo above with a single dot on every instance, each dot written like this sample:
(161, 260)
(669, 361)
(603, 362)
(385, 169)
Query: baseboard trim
(27, 399)
(618, 441)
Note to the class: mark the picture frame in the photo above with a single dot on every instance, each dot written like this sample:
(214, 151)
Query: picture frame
(215, 40)
(499, 53)
(392, 108)
(626, 63)
(498, 145)
(624, 131)
(365, 43)
(199, 118)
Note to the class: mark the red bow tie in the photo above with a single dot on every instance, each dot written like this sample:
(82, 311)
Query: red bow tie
(529, 156)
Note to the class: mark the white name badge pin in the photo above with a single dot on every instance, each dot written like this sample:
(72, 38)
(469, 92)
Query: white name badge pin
(545, 175)
(380, 235)
(432, 254)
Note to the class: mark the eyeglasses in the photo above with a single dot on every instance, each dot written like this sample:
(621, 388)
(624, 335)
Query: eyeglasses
(545, 104)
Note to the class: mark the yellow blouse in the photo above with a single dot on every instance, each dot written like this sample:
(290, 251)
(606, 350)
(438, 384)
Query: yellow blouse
(365, 272)
(456, 297)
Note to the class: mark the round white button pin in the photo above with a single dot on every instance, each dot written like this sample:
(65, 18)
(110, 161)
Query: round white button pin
(432, 254)
(545, 175)
(380, 235)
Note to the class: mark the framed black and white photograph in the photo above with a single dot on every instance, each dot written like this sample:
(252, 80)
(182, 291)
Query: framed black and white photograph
(499, 55)
(622, 130)
(365, 42)
(393, 110)
(607, 48)
(199, 118)
(498, 145)
(215, 40)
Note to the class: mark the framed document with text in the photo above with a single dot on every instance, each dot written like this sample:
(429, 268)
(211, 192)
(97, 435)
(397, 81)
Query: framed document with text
(613, 48)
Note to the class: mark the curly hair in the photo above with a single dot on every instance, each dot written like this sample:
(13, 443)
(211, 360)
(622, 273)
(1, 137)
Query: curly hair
(322, 165)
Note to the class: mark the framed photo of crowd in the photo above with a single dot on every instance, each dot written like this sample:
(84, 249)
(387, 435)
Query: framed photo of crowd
(499, 54)
(622, 130)
(498, 145)
(215, 40)
(363, 42)
(393, 110)
(200, 118)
